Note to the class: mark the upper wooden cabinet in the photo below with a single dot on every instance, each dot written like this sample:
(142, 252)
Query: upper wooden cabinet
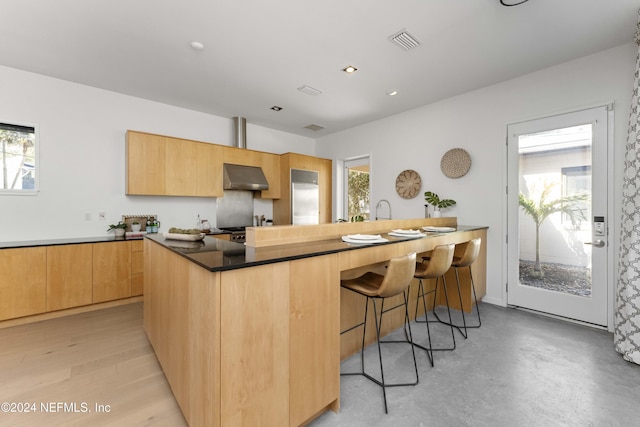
(270, 164)
(165, 166)
(324, 167)
(146, 163)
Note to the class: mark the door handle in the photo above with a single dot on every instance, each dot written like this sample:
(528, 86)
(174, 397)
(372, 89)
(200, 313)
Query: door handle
(597, 243)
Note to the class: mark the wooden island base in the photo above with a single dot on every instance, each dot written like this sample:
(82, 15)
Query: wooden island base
(261, 345)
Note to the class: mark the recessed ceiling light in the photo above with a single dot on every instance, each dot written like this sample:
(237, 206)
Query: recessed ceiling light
(276, 108)
(349, 69)
(197, 46)
(392, 92)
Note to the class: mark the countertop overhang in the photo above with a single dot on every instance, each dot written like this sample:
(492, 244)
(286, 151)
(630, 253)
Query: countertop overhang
(221, 255)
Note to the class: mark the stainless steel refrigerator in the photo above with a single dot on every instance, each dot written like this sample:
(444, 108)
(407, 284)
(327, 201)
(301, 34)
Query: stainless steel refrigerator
(305, 197)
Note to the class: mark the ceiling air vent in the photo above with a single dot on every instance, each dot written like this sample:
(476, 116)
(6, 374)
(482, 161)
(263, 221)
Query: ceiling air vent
(309, 90)
(405, 40)
(314, 127)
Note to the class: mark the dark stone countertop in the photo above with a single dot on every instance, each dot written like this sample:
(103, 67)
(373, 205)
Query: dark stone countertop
(220, 255)
(78, 240)
(69, 241)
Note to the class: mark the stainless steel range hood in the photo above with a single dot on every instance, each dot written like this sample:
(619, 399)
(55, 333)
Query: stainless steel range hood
(238, 177)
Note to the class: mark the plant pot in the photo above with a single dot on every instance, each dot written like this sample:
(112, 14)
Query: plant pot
(119, 232)
(135, 227)
(436, 213)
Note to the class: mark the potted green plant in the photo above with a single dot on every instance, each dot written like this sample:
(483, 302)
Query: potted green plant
(135, 226)
(118, 229)
(434, 200)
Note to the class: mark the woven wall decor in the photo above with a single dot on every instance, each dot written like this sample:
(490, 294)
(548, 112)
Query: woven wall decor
(408, 184)
(455, 163)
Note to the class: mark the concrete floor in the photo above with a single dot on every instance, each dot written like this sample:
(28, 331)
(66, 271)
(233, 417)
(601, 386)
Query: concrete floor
(518, 369)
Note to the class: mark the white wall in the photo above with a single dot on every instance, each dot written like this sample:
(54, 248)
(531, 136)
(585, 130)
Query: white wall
(477, 121)
(82, 156)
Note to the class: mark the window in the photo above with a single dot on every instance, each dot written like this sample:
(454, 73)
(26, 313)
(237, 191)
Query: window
(18, 160)
(357, 189)
(577, 180)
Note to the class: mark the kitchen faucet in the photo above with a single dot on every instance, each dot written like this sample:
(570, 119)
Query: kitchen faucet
(379, 204)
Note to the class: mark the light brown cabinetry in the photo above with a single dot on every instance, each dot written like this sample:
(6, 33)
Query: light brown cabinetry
(270, 164)
(137, 267)
(146, 164)
(57, 277)
(111, 271)
(251, 346)
(166, 166)
(69, 276)
(288, 161)
(23, 282)
(209, 177)
(314, 328)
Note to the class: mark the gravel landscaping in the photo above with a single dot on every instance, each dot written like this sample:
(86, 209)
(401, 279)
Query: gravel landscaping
(557, 277)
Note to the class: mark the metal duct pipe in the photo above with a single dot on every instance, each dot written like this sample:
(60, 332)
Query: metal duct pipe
(240, 132)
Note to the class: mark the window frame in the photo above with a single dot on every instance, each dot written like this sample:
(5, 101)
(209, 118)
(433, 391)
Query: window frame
(36, 161)
(352, 163)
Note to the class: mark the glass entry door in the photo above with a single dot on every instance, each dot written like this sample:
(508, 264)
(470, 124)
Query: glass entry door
(557, 212)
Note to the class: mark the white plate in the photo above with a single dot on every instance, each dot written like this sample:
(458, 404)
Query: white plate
(347, 239)
(438, 229)
(187, 237)
(363, 236)
(408, 236)
(406, 231)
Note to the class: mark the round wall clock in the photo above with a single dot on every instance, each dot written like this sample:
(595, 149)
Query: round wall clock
(408, 184)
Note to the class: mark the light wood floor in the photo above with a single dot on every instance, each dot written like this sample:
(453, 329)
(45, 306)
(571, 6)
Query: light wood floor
(519, 369)
(96, 358)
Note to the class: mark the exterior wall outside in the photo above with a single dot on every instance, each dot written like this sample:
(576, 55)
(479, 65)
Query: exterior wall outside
(559, 243)
(477, 121)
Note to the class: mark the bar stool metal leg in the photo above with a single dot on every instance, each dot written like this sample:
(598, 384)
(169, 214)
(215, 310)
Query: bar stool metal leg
(375, 286)
(466, 260)
(450, 322)
(439, 262)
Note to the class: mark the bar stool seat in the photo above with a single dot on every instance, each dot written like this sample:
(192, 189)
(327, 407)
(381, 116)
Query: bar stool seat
(434, 268)
(374, 286)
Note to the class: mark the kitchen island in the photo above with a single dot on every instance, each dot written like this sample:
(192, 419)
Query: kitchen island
(250, 335)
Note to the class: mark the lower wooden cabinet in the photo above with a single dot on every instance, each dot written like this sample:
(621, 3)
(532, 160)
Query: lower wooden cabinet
(23, 282)
(50, 278)
(137, 267)
(69, 276)
(111, 271)
(314, 331)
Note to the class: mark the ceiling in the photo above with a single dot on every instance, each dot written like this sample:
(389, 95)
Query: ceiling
(257, 53)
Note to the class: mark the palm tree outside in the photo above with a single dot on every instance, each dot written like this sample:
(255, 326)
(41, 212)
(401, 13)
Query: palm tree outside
(543, 206)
